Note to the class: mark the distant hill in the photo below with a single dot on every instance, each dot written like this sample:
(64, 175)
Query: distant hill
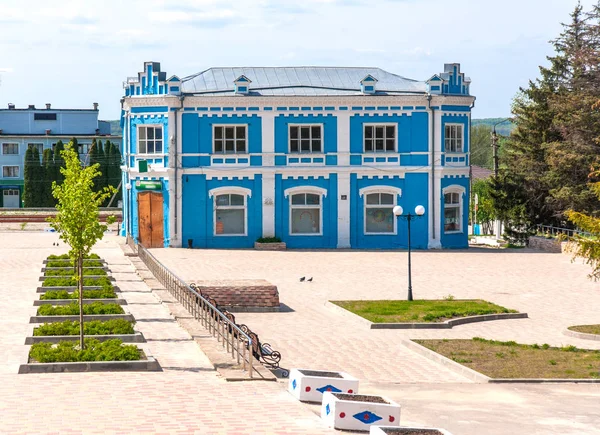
(503, 129)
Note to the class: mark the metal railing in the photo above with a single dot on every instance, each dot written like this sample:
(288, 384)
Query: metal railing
(237, 342)
(557, 231)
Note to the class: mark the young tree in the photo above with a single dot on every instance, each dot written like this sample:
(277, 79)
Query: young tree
(481, 150)
(484, 208)
(77, 220)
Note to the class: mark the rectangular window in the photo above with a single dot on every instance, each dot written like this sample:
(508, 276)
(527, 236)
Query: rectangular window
(230, 214)
(452, 212)
(10, 148)
(150, 139)
(38, 146)
(305, 139)
(379, 216)
(44, 116)
(10, 171)
(306, 214)
(453, 138)
(380, 138)
(230, 139)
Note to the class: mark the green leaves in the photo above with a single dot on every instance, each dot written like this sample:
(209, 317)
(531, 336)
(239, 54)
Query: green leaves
(73, 309)
(69, 351)
(94, 327)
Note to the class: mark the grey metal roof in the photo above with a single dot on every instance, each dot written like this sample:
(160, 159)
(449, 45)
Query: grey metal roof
(304, 81)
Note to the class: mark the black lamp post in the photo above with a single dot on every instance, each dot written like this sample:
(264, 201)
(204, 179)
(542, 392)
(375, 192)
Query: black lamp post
(419, 211)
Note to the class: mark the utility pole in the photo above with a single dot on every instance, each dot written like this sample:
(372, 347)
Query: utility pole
(495, 151)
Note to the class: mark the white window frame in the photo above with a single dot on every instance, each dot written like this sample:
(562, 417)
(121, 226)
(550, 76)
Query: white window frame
(37, 145)
(235, 127)
(139, 141)
(385, 125)
(309, 126)
(245, 193)
(462, 139)
(10, 192)
(322, 193)
(12, 166)
(461, 191)
(11, 154)
(395, 191)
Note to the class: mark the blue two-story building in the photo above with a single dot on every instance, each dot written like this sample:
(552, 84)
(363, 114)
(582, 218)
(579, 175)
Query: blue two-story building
(316, 156)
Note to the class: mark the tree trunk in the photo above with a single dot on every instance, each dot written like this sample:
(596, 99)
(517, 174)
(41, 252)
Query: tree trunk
(80, 273)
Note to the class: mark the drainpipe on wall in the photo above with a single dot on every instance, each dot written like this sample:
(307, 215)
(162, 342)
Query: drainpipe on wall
(471, 169)
(432, 157)
(176, 165)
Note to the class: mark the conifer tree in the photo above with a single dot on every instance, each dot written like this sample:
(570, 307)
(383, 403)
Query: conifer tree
(28, 179)
(49, 177)
(58, 162)
(37, 179)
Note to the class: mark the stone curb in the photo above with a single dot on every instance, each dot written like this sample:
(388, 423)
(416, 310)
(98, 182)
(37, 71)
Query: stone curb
(110, 278)
(65, 260)
(150, 364)
(73, 288)
(86, 318)
(582, 335)
(446, 362)
(448, 324)
(479, 377)
(138, 337)
(236, 309)
(85, 301)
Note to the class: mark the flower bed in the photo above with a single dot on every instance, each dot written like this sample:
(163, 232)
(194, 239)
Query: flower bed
(73, 309)
(69, 271)
(68, 351)
(358, 412)
(309, 385)
(69, 263)
(393, 430)
(72, 282)
(66, 257)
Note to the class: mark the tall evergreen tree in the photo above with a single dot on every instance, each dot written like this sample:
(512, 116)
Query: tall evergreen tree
(100, 181)
(59, 162)
(49, 177)
(29, 179)
(37, 176)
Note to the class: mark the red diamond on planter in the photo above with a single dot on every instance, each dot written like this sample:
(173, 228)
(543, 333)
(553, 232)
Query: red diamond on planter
(392, 419)
(307, 389)
(342, 414)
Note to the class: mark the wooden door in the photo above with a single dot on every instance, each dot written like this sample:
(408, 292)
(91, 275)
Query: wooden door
(150, 219)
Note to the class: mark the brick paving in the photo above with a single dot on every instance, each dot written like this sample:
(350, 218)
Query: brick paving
(190, 397)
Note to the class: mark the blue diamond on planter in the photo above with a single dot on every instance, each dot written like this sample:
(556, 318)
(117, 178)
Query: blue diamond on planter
(329, 387)
(327, 409)
(294, 384)
(367, 417)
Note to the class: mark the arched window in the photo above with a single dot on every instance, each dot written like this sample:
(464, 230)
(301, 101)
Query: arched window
(230, 211)
(453, 208)
(379, 202)
(306, 210)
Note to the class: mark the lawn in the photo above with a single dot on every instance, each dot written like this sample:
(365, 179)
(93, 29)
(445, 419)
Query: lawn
(508, 359)
(420, 311)
(587, 329)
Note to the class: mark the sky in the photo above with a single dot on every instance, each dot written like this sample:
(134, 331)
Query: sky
(72, 53)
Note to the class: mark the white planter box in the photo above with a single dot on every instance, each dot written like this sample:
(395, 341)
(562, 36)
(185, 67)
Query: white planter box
(402, 430)
(358, 412)
(309, 385)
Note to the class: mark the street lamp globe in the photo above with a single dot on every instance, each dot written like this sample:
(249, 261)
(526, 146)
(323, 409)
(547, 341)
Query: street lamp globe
(397, 210)
(419, 210)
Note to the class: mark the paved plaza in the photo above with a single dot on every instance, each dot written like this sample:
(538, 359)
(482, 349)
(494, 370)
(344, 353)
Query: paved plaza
(189, 396)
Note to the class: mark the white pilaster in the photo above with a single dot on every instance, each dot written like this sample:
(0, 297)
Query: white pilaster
(268, 201)
(268, 139)
(343, 210)
(436, 187)
(343, 134)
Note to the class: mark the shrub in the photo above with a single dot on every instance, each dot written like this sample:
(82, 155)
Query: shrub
(62, 263)
(73, 309)
(69, 351)
(71, 272)
(268, 240)
(66, 257)
(106, 293)
(94, 327)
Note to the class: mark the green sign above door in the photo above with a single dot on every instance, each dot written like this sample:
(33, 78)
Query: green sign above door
(148, 185)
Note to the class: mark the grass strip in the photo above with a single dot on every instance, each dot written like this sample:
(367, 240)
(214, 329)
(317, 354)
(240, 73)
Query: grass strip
(420, 311)
(72, 272)
(508, 359)
(93, 327)
(68, 351)
(87, 294)
(73, 309)
(586, 329)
